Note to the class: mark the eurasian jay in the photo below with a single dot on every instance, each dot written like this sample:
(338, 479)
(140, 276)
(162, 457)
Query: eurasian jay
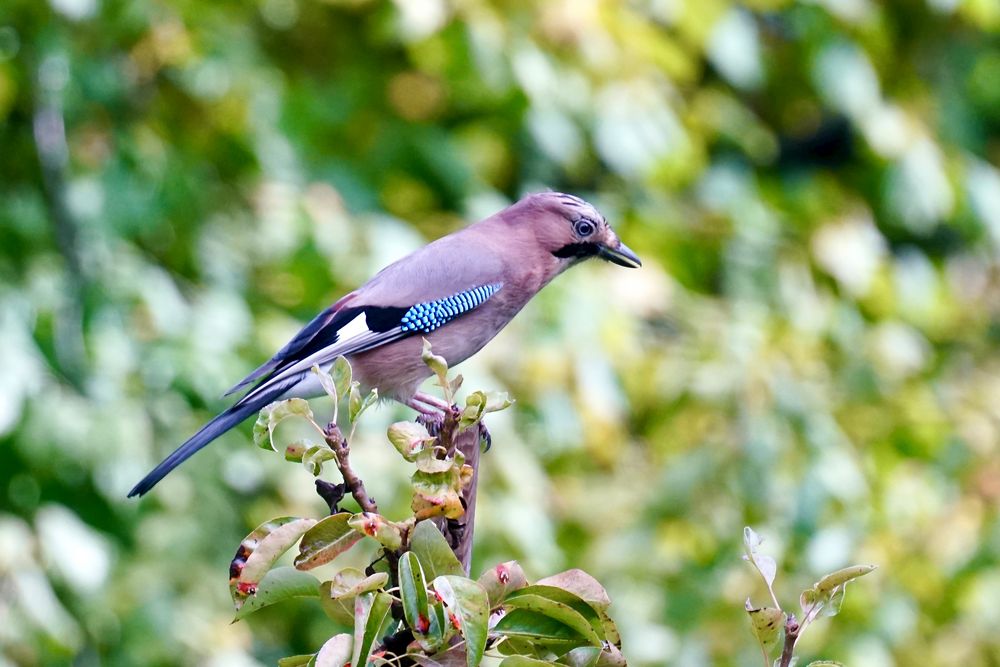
(457, 292)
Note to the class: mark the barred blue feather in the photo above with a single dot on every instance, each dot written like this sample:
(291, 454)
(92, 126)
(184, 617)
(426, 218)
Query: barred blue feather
(429, 315)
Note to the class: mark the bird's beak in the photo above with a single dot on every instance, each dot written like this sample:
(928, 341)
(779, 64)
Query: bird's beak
(622, 256)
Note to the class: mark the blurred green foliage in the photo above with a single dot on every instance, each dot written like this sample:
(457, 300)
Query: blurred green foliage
(810, 348)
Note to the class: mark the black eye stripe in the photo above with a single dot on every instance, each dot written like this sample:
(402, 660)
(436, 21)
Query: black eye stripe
(577, 250)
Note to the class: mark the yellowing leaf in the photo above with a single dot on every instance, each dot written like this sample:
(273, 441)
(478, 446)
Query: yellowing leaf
(767, 624)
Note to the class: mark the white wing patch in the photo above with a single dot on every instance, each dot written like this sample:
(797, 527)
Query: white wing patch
(355, 336)
(356, 327)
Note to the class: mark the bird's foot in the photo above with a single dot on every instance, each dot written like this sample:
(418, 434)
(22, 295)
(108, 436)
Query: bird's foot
(432, 411)
(432, 421)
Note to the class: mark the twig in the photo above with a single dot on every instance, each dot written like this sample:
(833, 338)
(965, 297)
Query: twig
(335, 439)
(463, 527)
(792, 629)
(459, 531)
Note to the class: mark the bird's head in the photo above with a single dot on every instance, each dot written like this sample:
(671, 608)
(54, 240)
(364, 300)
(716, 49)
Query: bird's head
(573, 230)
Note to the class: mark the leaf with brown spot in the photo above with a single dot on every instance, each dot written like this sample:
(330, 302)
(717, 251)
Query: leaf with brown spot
(325, 541)
(259, 551)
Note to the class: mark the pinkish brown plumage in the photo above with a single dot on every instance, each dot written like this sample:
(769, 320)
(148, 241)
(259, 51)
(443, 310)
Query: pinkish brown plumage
(458, 292)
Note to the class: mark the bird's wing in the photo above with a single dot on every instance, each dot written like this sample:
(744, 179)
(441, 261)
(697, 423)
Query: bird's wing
(438, 282)
(358, 328)
(318, 330)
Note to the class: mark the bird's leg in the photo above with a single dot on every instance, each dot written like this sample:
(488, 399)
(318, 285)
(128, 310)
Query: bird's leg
(433, 418)
(438, 404)
(432, 411)
(425, 413)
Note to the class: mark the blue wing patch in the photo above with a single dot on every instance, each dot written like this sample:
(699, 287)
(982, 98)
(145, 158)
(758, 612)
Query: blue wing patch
(429, 315)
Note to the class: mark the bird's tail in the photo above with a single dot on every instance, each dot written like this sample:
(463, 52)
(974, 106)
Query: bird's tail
(219, 424)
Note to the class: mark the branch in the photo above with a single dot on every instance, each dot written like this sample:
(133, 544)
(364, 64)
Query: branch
(792, 629)
(459, 531)
(335, 439)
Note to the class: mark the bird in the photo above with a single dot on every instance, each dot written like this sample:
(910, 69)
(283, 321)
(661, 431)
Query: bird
(458, 292)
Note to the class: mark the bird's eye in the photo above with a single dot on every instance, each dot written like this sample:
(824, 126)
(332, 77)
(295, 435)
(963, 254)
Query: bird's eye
(584, 227)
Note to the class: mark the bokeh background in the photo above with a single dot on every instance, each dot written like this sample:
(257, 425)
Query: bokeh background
(810, 347)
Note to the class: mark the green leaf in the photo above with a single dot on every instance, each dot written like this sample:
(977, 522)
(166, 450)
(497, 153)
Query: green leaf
(342, 376)
(825, 663)
(842, 577)
(273, 414)
(437, 486)
(279, 584)
(325, 541)
(497, 401)
(340, 608)
(436, 557)
(351, 582)
(470, 602)
(337, 596)
(294, 451)
(524, 647)
(827, 595)
(593, 616)
(295, 660)
(767, 624)
(590, 591)
(611, 634)
(409, 438)
(580, 584)
(537, 626)
(370, 612)
(336, 652)
(436, 363)
(326, 381)
(523, 661)
(434, 460)
(475, 406)
(479, 403)
(413, 592)
(377, 526)
(500, 580)
(260, 550)
(584, 656)
(314, 457)
(357, 404)
(559, 611)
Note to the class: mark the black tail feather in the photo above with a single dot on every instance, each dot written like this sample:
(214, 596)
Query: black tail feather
(209, 432)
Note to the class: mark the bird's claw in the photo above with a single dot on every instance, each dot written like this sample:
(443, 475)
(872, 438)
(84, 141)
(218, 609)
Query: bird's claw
(485, 438)
(433, 422)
